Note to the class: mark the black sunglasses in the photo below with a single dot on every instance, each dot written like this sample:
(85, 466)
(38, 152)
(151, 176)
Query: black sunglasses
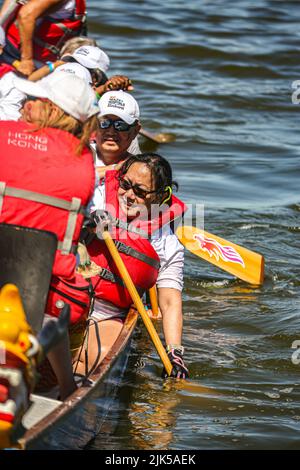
(138, 191)
(118, 125)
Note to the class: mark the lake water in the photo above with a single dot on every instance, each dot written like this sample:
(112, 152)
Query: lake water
(218, 76)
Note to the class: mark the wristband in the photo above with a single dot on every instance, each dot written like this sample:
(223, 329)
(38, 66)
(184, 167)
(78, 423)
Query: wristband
(175, 346)
(51, 66)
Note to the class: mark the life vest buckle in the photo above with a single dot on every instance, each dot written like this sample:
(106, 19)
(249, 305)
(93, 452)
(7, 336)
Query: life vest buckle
(123, 248)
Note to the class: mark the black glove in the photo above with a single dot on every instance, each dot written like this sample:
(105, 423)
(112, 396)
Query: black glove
(103, 221)
(179, 371)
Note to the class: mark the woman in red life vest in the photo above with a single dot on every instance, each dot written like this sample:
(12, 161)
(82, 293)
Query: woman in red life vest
(139, 197)
(48, 176)
(36, 31)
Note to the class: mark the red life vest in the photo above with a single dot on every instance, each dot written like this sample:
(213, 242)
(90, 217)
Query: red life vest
(49, 35)
(45, 185)
(135, 249)
(5, 68)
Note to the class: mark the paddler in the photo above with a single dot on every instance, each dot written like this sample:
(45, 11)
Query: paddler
(118, 127)
(143, 184)
(89, 55)
(46, 153)
(92, 61)
(37, 30)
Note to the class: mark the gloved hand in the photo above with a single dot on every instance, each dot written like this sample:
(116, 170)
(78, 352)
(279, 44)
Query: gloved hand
(103, 220)
(179, 371)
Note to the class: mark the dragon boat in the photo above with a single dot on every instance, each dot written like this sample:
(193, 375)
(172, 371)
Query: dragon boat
(28, 419)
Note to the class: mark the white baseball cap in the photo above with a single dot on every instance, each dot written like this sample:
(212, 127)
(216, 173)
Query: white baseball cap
(69, 92)
(2, 37)
(120, 104)
(91, 57)
(75, 69)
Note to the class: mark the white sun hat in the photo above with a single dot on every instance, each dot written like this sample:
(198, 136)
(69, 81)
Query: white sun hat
(75, 69)
(69, 92)
(121, 104)
(91, 57)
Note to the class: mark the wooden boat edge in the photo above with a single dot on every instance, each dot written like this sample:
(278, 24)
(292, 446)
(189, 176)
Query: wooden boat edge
(83, 393)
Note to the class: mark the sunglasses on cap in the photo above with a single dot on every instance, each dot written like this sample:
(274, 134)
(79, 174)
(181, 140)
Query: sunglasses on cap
(138, 191)
(118, 125)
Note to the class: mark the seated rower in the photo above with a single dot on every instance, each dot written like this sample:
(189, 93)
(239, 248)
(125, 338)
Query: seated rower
(144, 183)
(45, 154)
(116, 136)
(37, 29)
(94, 59)
(12, 99)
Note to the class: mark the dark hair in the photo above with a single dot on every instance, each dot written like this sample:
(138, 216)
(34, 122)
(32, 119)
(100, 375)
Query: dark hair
(97, 74)
(160, 168)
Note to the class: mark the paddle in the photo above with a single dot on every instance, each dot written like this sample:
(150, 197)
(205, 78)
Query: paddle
(153, 301)
(241, 262)
(161, 138)
(137, 300)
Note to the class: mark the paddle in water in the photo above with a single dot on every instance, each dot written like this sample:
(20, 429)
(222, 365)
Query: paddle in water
(137, 300)
(241, 262)
(162, 138)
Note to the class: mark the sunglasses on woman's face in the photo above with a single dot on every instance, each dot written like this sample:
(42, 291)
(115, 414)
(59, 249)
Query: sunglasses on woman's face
(138, 191)
(118, 125)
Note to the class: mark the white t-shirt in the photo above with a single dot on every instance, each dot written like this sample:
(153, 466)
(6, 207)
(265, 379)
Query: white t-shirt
(11, 99)
(168, 248)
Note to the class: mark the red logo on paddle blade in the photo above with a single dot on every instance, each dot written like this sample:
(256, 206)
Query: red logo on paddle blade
(213, 248)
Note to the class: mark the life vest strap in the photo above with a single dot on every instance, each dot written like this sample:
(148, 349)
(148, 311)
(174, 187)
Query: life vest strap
(111, 277)
(46, 45)
(73, 250)
(130, 228)
(71, 225)
(74, 208)
(128, 250)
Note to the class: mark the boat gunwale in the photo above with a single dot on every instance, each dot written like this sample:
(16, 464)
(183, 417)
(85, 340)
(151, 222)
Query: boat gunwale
(82, 394)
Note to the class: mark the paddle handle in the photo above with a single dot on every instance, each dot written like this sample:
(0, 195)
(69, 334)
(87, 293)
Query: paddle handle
(153, 300)
(137, 301)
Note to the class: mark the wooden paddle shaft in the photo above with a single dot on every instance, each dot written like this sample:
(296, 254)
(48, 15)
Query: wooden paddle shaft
(153, 300)
(137, 301)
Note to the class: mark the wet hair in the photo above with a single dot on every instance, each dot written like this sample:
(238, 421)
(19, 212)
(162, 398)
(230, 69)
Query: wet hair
(160, 168)
(72, 44)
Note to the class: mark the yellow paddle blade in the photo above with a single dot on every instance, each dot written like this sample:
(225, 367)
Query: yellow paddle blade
(241, 262)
